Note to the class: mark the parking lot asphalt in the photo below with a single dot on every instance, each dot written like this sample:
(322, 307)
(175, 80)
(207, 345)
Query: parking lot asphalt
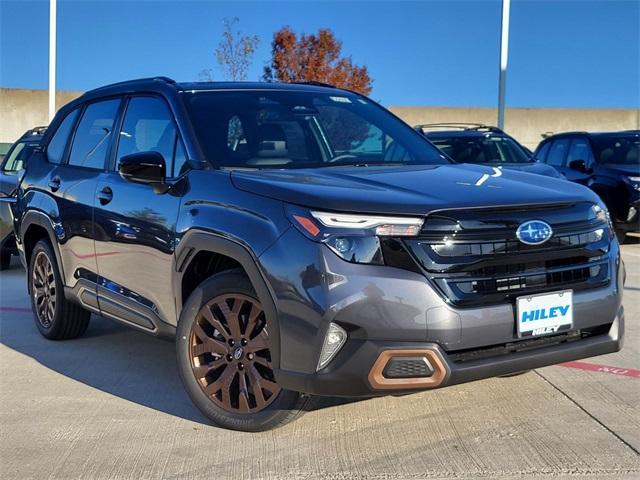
(110, 406)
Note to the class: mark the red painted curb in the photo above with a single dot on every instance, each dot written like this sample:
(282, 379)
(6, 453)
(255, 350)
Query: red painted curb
(594, 367)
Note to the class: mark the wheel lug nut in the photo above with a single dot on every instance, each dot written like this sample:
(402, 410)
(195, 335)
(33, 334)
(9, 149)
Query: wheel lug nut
(243, 342)
(250, 356)
(231, 342)
(240, 366)
(229, 358)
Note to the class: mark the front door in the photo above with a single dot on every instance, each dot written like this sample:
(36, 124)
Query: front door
(136, 224)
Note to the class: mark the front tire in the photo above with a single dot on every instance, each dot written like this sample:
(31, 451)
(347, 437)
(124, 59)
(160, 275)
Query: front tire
(224, 361)
(55, 317)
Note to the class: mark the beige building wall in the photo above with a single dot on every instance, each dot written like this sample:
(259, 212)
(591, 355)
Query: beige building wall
(528, 124)
(22, 109)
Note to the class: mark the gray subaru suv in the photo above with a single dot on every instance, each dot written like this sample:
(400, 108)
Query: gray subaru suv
(300, 240)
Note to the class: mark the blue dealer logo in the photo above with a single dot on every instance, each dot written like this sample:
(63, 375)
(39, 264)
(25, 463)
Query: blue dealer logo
(534, 232)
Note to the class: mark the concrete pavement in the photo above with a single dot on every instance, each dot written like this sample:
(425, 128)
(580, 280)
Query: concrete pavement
(110, 406)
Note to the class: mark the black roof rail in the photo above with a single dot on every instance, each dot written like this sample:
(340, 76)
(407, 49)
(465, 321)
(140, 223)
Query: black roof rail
(37, 130)
(460, 126)
(317, 84)
(138, 80)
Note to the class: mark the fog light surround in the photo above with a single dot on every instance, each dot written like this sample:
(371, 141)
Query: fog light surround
(334, 339)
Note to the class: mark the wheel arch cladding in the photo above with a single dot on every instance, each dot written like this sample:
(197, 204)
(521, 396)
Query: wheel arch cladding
(35, 227)
(223, 254)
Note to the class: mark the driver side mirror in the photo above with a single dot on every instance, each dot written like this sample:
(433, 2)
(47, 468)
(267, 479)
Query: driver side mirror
(143, 167)
(579, 165)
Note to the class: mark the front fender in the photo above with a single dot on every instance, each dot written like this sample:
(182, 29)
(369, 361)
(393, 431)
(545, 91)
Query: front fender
(195, 241)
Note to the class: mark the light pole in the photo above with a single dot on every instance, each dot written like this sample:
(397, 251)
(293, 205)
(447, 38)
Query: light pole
(52, 59)
(504, 56)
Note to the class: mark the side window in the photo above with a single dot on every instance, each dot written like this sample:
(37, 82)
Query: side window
(19, 156)
(91, 141)
(541, 153)
(580, 150)
(558, 152)
(55, 149)
(148, 126)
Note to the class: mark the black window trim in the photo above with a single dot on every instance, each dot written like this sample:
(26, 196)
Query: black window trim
(72, 137)
(112, 160)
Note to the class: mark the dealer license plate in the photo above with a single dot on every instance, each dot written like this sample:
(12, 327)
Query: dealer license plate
(544, 314)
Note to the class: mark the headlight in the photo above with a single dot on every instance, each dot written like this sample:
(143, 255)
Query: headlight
(601, 213)
(353, 237)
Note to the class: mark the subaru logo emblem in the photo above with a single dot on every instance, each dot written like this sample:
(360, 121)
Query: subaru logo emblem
(534, 232)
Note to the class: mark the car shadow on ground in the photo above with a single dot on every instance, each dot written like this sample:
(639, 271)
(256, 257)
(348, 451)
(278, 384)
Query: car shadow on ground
(114, 359)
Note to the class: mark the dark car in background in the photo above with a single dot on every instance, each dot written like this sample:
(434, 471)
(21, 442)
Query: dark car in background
(483, 144)
(16, 157)
(12, 162)
(608, 163)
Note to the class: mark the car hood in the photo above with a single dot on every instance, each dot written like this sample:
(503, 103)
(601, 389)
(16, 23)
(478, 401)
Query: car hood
(633, 170)
(533, 167)
(408, 189)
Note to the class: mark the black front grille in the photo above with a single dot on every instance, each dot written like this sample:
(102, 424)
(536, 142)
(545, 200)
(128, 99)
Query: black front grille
(475, 257)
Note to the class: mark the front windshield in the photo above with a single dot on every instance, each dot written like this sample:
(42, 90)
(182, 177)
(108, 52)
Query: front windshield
(482, 149)
(623, 150)
(297, 129)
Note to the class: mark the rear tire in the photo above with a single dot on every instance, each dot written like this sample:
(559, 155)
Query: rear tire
(55, 317)
(224, 360)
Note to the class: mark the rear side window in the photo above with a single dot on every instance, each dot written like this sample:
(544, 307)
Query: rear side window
(558, 152)
(541, 153)
(148, 126)
(56, 147)
(94, 132)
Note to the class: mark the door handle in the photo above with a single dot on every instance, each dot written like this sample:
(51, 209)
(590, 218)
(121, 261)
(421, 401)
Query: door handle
(54, 184)
(105, 195)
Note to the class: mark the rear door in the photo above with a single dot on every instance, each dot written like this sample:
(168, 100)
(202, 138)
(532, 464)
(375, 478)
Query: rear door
(73, 183)
(136, 224)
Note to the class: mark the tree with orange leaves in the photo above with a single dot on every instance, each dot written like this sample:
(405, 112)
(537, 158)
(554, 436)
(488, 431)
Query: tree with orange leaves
(314, 58)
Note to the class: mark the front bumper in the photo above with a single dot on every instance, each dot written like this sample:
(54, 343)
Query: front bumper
(350, 373)
(384, 308)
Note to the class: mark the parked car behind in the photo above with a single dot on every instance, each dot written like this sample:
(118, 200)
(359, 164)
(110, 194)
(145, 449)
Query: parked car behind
(10, 166)
(608, 163)
(16, 157)
(484, 145)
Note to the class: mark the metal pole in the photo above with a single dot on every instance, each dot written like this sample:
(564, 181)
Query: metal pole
(504, 55)
(52, 59)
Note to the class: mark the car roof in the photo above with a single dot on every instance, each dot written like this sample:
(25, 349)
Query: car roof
(166, 85)
(625, 133)
(463, 134)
